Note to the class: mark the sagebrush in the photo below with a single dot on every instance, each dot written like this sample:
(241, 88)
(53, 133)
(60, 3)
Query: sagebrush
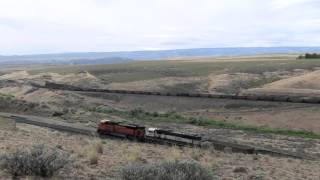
(171, 170)
(38, 161)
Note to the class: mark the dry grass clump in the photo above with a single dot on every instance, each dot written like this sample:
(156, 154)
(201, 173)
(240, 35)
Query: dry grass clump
(169, 170)
(178, 153)
(93, 150)
(93, 156)
(196, 153)
(98, 146)
(39, 161)
(174, 153)
(134, 154)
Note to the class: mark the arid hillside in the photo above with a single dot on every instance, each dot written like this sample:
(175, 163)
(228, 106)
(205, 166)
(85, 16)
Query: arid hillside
(274, 74)
(285, 126)
(214, 75)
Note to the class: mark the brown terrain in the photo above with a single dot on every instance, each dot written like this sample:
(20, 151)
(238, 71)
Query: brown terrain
(274, 74)
(115, 154)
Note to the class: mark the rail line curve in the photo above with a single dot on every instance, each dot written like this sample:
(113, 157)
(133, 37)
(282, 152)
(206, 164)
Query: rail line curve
(273, 98)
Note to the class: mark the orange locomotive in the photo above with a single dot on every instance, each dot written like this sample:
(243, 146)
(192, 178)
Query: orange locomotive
(141, 133)
(131, 131)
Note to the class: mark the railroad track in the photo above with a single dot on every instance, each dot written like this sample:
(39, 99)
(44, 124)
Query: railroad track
(240, 112)
(273, 98)
(80, 129)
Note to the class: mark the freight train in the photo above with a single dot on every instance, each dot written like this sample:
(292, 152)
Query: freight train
(250, 97)
(141, 133)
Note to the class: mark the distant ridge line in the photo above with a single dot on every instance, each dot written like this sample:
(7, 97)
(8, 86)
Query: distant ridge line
(157, 54)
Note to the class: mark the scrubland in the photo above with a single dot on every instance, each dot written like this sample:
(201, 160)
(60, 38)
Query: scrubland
(92, 158)
(287, 126)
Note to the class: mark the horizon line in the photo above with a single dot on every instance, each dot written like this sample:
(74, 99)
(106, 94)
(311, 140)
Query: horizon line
(155, 50)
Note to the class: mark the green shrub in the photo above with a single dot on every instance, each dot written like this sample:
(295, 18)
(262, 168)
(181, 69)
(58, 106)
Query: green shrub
(39, 161)
(172, 170)
(6, 97)
(199, 121)
(137, 112)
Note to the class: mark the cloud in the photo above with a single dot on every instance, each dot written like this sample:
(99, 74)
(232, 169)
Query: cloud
(43, 26)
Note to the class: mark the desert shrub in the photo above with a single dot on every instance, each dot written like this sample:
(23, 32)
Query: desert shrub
(98, 146)
(93, 151)
(171, 170)
(137, 112)
(135, 155)
(199, 121)
(93, 156)
(6, 97)
(39, 161)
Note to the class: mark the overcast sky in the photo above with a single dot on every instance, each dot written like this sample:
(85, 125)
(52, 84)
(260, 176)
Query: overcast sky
(50, 26)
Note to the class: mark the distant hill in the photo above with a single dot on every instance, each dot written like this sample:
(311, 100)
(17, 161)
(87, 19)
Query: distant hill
(51, 59)
(125, 56)
(106, 60)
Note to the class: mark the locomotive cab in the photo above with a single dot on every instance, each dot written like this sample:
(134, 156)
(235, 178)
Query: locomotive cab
(104, 125)
(152, 131)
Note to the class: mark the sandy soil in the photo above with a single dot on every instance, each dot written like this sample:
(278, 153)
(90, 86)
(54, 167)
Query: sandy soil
(223, 82)
(32, 94)
(305, 84)
(306, 81)
(72, 78)
(117, 154)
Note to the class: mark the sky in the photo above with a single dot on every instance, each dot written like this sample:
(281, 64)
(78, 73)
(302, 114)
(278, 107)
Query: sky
(54, 26)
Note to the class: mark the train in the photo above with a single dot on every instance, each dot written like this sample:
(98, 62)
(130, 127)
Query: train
(142, 133)
(251, 97)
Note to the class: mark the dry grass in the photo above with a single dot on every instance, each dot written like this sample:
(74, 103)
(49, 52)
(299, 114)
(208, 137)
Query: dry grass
(135, 155)
(92, 150)
(97, 146)
(116, 154)
(167, 170)
(7, 124)
(93, 156)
